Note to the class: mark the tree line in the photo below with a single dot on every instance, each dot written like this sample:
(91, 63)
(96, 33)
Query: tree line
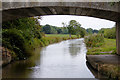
(74, 28)
(49, 29)
(109, 33)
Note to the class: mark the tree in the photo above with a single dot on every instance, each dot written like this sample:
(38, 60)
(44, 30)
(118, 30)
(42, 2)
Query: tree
(110, 33)
(73, 25)
(59, 31)
(64, 29)
(20, 35)
(78, 31)
(89, 31)
(64, 24)
(101, 31)
(95, 31)
(75, 28)
(82, 32)
(48, 29)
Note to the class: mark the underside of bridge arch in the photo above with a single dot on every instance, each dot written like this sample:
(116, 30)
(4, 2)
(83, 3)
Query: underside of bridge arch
(41, 11)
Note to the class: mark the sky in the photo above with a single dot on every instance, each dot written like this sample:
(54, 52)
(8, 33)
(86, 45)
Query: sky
(86, 22)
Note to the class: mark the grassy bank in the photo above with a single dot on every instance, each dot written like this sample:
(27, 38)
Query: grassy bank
(60, 35)
(54, 38)
(108, 47)
(35, 43)
(49, 39)
(98, 47)
(97, 44)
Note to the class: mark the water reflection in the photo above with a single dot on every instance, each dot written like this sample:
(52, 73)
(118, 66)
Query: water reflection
(20, 69)
(66, 59)
(74, 49)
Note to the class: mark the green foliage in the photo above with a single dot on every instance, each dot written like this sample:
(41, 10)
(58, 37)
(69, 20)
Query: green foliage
(109, 33)
(74, 27)
(48, 29)
(91, 31)
(14, 40)
(53, 38)
(60, 35)
(64, 30)
(101, 31)
(80, 32)
(109, 47)
(94, 40)
(28, 26)
(20, 36)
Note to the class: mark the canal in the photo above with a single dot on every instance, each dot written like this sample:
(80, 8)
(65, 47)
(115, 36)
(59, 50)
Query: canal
(66, 59)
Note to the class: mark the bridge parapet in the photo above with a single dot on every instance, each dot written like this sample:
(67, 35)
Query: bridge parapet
(94, 5)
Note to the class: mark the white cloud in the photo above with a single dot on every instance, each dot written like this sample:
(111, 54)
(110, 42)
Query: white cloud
(86, 22)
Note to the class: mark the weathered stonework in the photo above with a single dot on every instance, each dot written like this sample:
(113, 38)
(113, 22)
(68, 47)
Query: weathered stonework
(118, 37)
(13, 10)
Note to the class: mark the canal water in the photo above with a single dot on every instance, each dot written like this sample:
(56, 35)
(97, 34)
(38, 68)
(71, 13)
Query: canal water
(66, 59)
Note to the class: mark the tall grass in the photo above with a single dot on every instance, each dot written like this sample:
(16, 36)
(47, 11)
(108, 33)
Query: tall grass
(98, 45)
(54, 38)
(59, 35)
(94, 40)
(109, 47)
